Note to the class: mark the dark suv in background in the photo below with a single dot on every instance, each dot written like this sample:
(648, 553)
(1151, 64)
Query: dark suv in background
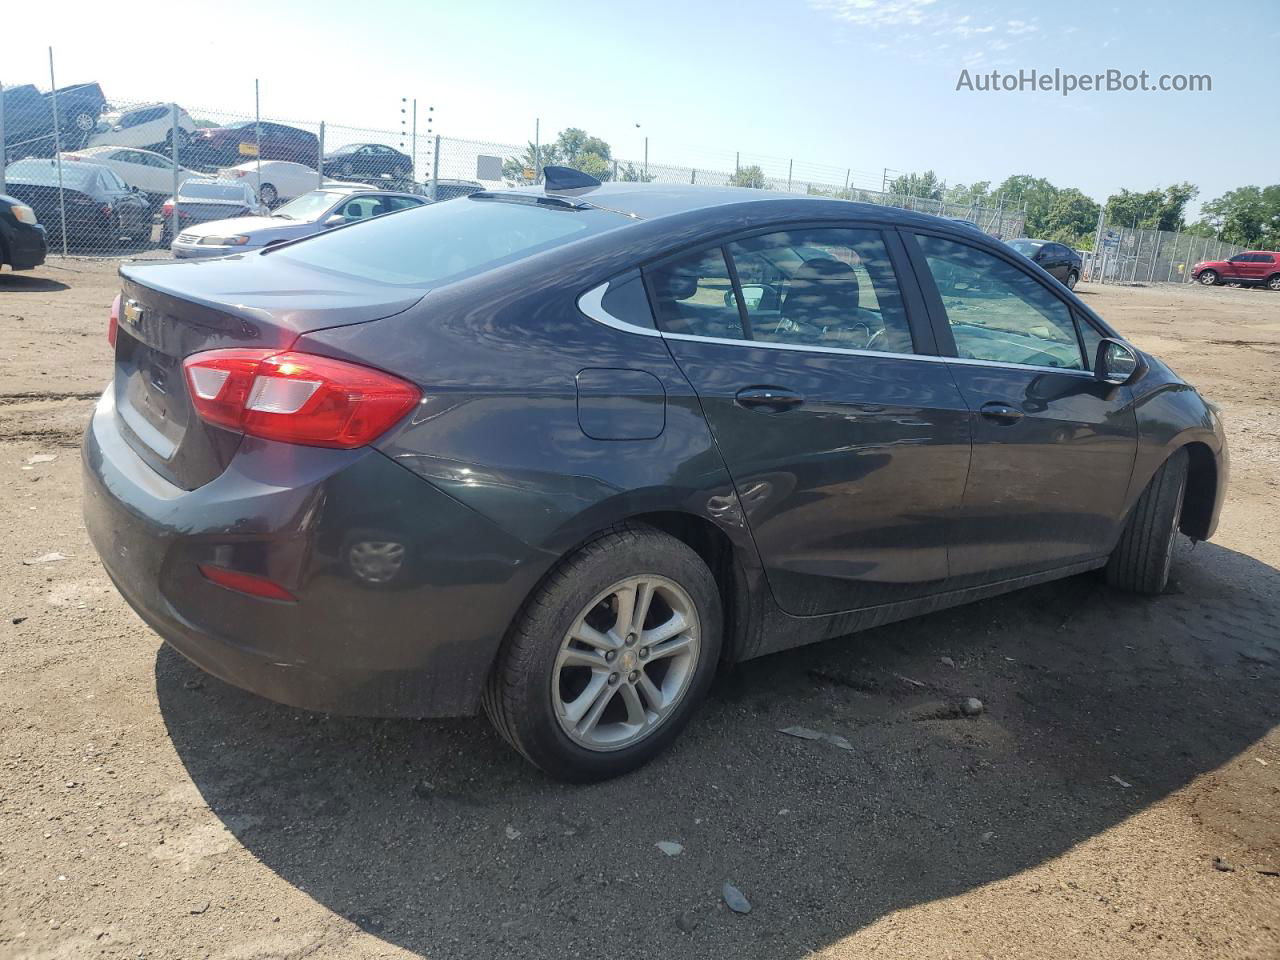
(1056, 259)
(22, 239)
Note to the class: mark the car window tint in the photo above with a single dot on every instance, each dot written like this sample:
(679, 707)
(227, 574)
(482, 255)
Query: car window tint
(1091, 337)
(442, 242)
(997, 312)
(692, 294)
(362, 208)
(402, 203)
(822, 288)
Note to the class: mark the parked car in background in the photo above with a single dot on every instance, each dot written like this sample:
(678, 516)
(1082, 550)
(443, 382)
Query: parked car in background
(23, 243)
(152, 173)
(202, 199)
(237, 142)
(452, 189)
(309, 214)
(100, 207)
(149, 125)
(1059, 260)
(280, 179)
(532, 451)
(28, 119)
(1253, 268)
(367, 161)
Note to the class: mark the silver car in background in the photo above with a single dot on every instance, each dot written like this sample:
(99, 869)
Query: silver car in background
(305, 216)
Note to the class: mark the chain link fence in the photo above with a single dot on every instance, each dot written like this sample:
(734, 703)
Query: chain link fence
(120, 178)
(1133, 255)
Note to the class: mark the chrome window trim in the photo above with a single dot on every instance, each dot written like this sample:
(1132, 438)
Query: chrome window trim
(591, 304)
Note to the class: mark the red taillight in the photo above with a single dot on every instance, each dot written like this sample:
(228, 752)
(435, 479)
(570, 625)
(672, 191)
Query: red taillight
(113, 322)
(296, 397)
(106, 210)
(245, 583)
(167, 209)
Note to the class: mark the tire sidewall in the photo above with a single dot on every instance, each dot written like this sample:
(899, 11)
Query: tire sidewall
(539, 731)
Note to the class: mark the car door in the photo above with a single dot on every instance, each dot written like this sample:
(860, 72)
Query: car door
(847, 441)
(1053, 447)
(1236, 268)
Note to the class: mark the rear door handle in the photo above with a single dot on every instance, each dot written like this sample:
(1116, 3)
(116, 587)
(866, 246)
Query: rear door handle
(1001, 412)
(771, 399)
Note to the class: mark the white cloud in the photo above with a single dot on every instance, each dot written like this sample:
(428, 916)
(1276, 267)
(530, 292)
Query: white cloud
(916, 26)
(1016, 27)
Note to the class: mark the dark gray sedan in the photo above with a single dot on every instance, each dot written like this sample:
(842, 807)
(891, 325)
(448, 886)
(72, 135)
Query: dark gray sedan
(561, 453)
(309, 214)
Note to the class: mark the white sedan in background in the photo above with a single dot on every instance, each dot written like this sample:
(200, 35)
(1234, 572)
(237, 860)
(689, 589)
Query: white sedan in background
(280, 179)
(152, 173)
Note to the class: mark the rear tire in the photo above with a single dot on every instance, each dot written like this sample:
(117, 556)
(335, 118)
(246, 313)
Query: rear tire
(268, 194)
(1141, 560)
(1273, 282)
(1208, 277)
(535, 692)
(1072, 279)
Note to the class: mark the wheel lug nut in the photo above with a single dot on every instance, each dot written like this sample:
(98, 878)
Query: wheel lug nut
(613, 678)
(633, 676)
(644, 652)
(631, 639)
(610, 656)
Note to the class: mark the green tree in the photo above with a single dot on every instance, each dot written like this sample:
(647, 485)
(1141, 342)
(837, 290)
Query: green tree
(630, 173)
(1156, 209)
(751, 176)
(924, 185)
(574, 147)
(1072, 218)
(1036, 193)
(1248, 216)
(978, 192)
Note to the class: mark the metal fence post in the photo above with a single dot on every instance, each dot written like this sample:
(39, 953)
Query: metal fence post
(1173, 256)
(435, 169)
(57, 152)
(257, 132)
(790, 166)
(173, 156)
(320, 165)
(537, 150)
(693, 175)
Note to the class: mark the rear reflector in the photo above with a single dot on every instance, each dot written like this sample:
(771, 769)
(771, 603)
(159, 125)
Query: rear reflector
(246, 583)
(113, 322)
(296, 397)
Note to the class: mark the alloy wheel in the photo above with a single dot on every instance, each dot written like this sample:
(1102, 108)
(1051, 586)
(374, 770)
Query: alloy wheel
(1208, 278)
(626, 662)
(1274, 282)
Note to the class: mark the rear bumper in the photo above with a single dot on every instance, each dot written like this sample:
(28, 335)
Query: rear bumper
(405, 630)
(28, 245)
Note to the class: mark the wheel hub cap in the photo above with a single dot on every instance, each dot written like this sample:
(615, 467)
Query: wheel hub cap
(625, 663)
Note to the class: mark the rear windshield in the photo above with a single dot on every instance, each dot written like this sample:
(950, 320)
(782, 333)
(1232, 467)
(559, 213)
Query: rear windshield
(1027, 248)
(443, 242)
(211, 191)
(75, 175)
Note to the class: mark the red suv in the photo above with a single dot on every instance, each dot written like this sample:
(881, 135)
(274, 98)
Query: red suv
(1251, 268)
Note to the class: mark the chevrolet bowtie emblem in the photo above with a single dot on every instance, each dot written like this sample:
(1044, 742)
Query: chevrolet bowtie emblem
(133, 312)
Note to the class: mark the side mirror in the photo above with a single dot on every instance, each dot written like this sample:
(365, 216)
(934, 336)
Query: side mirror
(336, 220)
(1117, 363)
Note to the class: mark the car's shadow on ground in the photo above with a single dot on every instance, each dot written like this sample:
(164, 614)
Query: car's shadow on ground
(426, 832)
(16, 283)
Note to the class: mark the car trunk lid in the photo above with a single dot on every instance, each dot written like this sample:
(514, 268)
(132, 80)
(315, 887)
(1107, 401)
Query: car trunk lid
(171, 310)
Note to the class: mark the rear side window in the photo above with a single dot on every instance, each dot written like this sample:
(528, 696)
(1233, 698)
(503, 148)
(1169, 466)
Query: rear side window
(822, 288)
(999, 313)
(693, 295)
(443, 242)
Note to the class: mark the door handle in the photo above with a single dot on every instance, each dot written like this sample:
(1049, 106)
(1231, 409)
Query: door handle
(1001, 412)
(772, 399)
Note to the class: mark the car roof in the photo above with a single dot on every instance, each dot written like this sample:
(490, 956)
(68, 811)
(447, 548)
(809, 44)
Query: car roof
(649, 201)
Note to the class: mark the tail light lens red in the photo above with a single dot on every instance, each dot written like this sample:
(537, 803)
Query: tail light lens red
(245, 583)
(296, 397)
(113, 321)
(167, 209)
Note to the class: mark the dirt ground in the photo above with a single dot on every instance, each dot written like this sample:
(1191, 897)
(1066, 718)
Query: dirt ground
(1119, 796)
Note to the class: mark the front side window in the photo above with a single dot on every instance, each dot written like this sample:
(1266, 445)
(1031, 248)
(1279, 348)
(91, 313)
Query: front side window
(997, 312)
(822, 288)
(693, 294)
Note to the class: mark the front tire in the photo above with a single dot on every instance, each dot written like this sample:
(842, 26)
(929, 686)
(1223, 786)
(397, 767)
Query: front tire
(1273, 282)
(1208, 277)
(609, 658)
(1141, 560)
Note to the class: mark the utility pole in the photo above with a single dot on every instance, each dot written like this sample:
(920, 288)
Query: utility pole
(57, 151)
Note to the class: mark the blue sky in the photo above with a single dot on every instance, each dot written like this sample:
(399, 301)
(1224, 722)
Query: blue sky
(834, 84)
